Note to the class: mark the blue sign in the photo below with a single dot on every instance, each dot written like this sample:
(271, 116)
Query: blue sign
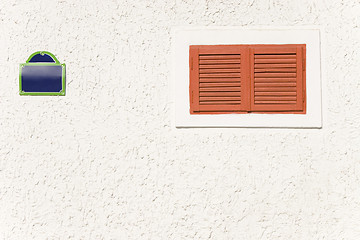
(42, 74)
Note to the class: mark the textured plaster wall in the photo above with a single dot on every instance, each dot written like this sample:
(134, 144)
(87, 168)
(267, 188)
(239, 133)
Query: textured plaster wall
(105, 162)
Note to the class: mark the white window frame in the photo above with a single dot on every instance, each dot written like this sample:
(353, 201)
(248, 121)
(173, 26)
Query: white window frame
(183, 37)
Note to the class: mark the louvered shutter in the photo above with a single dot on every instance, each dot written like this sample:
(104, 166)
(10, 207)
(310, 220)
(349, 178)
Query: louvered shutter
(277, 78)
(219, 79)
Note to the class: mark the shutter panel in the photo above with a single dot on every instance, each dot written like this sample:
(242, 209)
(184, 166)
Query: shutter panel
(277, 78)
(219, 79)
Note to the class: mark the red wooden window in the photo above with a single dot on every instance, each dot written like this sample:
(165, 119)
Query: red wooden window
(247, 78)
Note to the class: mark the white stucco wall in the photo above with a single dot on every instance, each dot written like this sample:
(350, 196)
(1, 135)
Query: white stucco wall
(105, 162)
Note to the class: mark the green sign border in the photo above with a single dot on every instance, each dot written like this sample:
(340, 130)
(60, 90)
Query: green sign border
(57, 63)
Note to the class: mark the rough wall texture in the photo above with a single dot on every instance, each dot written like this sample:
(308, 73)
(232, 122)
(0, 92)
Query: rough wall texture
(104, 162)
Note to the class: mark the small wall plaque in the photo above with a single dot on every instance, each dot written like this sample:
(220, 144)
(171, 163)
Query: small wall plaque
(42, 74)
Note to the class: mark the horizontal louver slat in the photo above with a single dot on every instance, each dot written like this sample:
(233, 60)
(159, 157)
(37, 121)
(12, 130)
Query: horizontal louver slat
(275, 93)
(274, 60)
(275, 89)
(275, 56)
(220, 75)
(221, 89)
(220, 61)
(221, 66)
(203, 99)
(275, 79)
(275, 75)
(275, 84)
(223, 70)
(219, 80)
(275, 70)
(219, 84)
(275, 65)
(272, 98)
(218, 56)
(220, 94)
(221, 103)
(275, 102)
